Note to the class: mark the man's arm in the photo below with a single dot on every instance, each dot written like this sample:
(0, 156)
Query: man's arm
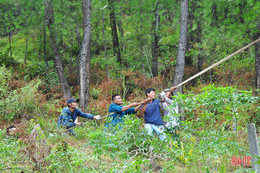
(66, 121)
(138, 107)
(125, 108)
(90, 116)
(143, 109)
(85, 115)
(170, 93)
(142, 103)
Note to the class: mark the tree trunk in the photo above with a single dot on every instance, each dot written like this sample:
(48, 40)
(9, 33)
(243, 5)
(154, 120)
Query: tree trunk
(198, 40)
(121, 30)
(142, 41)
(49, 16)
(40, 46)
(44, 46)
(9, 36)
(25, 55)
(71, 53)
(85, 57)
(214, 22)
(78, 39)
(105, 47)
(180, 64)
(116, 47)
(191, 34)
(200, 57)
(155, 47)
(257, 59)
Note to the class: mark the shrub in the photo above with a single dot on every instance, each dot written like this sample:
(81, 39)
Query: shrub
(22, 102)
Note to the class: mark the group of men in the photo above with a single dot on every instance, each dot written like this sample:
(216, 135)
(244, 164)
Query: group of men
(149, 109)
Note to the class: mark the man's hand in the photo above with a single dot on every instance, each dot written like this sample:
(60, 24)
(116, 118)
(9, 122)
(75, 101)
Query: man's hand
(147, 100)
(162, 96)
(78, 124)
(97, 117)
(134, 104)
(173, 88)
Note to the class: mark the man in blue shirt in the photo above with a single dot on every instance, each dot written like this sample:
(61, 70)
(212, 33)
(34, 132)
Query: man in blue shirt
(69, 115)
(152, 116)
(120, 110)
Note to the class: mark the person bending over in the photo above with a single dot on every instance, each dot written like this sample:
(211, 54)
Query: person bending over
(70, 114)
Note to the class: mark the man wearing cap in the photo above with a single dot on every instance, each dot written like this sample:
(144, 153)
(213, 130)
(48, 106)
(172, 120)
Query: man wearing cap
(70, 113)
(170, 119)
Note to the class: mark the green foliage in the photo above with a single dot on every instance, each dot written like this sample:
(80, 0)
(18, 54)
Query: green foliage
(9, 150)
(50, 78)
(17, 103)
(216, 104)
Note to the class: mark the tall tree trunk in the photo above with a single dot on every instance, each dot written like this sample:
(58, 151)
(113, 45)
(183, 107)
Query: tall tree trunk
(198, 40)
(142, 41)
(257, 59)
(105, 46)
(40, 46)
(121, 30)
(191, 34)
(214, 22)
(78, 39)
(49, 16)
(113, 25)
(25, 55)
(85, 57)
(71, 53)
(44, 47)
(200, 57)
(155, 47)
(9, 37)
(180, 64)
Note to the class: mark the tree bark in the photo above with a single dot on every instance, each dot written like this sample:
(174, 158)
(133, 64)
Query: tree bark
(191, 34)
(105, 47)
(200, 57)
(78, 39)
(155, 46)
(180, 64)
(44, 47)
(198, 40)
(25, 55)
(85, 57)
(257, 59)
(49, 16)
(113, 25)
(142, 41)
(71, 53)
(9, 37)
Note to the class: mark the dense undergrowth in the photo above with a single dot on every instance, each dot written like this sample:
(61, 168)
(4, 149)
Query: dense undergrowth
(207, 141)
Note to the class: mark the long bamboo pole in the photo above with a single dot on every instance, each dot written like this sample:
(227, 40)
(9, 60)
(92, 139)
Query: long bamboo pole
(219, 62)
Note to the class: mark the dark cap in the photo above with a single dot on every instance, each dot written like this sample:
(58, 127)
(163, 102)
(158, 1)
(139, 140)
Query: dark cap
(167, 90)
(72, 100)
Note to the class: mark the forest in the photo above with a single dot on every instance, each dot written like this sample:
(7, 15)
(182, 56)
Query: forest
(53, 50)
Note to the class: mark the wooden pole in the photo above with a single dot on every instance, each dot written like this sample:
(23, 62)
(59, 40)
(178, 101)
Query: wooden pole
(253, 144)
(216, 64)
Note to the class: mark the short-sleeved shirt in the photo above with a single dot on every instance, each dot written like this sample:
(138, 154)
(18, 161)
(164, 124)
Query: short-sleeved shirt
(118, 116)
(152, 113)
